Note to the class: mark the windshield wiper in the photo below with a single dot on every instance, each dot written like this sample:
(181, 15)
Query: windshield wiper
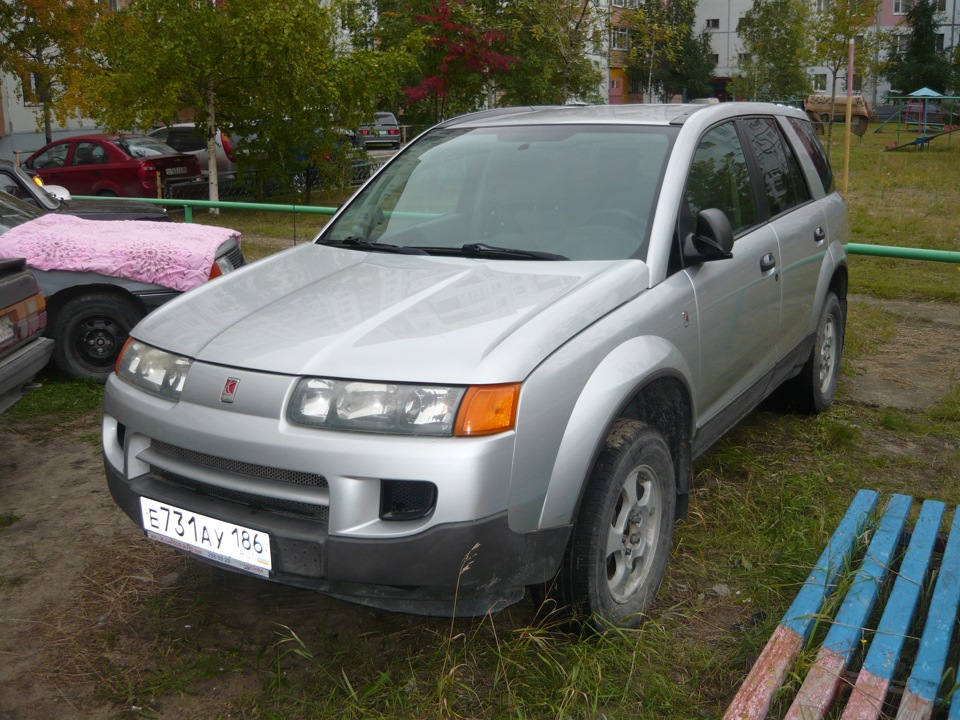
(484, 250)
(364, 244)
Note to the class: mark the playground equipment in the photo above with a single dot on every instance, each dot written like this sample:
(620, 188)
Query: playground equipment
(820, 109)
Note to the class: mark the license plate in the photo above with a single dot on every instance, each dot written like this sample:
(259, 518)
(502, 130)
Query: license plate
(223, 542)
(181, 170)
(6, 328)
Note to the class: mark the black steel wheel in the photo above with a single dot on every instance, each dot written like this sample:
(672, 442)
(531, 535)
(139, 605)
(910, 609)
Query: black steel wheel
(89, 332)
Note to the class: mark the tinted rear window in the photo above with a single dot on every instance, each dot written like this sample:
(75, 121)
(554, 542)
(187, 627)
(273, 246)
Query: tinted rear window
(814, 149)
(139, 147)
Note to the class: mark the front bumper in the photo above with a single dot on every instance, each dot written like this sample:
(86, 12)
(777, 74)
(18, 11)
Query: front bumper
(322, 497)
(465, 568)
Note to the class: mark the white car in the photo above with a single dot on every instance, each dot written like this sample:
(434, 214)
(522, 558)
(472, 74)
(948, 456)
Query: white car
(495, 365)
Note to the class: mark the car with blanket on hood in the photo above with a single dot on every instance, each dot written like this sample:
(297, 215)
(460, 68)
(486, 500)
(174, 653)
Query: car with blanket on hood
(100, 277)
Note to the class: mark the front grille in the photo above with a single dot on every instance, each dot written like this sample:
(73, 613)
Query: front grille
(236, 257)
(264, 472)
(313, 511)
(320, 513)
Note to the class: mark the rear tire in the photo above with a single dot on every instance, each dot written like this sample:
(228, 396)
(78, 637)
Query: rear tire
(621, 541)
(89, 331)
(813, 390)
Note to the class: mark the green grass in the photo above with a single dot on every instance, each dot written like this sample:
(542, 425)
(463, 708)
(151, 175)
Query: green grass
(766, 499)
(904, 198)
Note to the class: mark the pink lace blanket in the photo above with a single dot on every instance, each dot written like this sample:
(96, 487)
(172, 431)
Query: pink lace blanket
(174, 255)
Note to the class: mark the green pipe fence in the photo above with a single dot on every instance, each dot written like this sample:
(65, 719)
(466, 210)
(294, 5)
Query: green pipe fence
(188, 205)
(948, 256)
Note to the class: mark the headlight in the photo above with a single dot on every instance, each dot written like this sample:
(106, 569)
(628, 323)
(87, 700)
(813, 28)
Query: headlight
(153, 370)
(432, 410)
(375, 407)
(225, 264)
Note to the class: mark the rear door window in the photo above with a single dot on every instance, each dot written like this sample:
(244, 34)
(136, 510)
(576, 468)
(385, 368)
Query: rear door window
(783, 182)
(813, 148)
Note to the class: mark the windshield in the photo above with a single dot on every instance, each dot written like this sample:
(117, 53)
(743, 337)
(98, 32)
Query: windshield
(575, 192)
(45, 198)
(15, 212)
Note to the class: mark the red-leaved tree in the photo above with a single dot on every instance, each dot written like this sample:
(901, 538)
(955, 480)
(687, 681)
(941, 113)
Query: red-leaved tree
(460, 59)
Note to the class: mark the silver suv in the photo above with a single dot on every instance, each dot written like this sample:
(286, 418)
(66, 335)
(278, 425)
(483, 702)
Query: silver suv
(495, 366)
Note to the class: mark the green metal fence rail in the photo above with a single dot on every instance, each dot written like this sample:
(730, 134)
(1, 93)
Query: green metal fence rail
(188, 205)
(949, 256)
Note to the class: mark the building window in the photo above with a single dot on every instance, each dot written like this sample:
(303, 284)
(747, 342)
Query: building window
(823, 5)
(938, 40)
(614, 84)
(620, 39)
(635, 87)
(820, 82)
(743, 57)
(715, 59)
(902, 7)
(941, 5)
(713, 23)
(633, 4)
(902, 41)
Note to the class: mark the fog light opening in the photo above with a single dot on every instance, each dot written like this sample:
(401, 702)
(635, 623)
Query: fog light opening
(406, 499)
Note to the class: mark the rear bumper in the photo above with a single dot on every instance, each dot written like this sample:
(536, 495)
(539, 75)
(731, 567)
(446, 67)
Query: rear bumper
(17, 369)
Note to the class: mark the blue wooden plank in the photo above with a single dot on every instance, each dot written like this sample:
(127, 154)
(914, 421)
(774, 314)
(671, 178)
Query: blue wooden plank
(803, 613)
(847, 628)
(887, 642)
(941, 617)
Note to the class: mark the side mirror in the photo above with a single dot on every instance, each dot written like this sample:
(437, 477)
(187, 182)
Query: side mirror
(713, 239)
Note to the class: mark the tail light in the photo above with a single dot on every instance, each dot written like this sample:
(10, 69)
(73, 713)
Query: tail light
(393, 131)
(227, 147)
(147, 173)
(364, 131)
(215, 272)
(193, 165)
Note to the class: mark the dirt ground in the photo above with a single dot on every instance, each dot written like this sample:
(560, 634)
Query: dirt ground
(73, 561)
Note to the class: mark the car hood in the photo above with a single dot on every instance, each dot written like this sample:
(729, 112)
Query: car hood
(316, 310)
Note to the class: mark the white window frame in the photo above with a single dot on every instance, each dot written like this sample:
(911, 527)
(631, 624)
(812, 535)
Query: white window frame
(620, 39)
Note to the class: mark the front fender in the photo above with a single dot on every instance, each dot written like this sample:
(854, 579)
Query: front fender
(613, 383)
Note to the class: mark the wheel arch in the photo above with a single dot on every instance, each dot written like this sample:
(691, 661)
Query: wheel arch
(57, 300)
(658, 394)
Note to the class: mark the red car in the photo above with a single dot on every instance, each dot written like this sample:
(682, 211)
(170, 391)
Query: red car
(119, 165)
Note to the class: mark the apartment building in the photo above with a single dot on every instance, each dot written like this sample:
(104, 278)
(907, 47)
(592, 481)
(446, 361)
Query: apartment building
(720, 18)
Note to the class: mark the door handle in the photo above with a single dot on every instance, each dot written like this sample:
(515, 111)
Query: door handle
(767, 263)
(819, 234)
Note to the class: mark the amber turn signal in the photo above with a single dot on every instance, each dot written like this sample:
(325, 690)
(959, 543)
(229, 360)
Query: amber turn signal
(487, 409)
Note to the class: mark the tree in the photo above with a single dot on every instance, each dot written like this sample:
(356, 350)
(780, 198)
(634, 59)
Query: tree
(776, 41)
(919, 64)
(273, 72)
(686, 67)
(839, 22)
(658, 31)
(461, 55)
(552, 41)
(41, 43)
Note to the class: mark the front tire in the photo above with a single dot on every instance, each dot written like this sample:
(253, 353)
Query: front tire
(89, 331)
(621, 541)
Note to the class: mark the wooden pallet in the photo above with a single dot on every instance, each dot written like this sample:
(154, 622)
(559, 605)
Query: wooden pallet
(828, 685)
